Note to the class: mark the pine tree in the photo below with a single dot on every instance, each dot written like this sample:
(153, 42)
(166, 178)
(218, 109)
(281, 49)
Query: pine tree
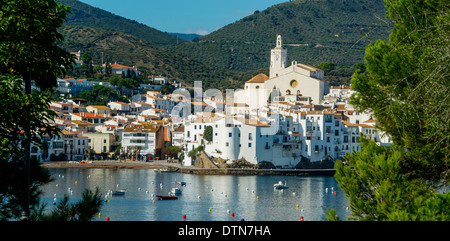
(406, 87)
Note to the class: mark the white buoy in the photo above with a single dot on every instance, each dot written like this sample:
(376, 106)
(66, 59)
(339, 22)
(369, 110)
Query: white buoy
(225, 195)
(198, 197)
(228, 211)
(326, 189)
(139, 188)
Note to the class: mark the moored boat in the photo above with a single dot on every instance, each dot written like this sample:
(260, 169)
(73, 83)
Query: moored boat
(280, 185)
(119, 192)
(162, 197)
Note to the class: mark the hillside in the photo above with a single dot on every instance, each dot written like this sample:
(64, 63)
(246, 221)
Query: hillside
(315, 31)
(84, 15)
(132, 51)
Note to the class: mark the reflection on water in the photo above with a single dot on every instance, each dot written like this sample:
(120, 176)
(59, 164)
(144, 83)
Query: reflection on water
(252, 198)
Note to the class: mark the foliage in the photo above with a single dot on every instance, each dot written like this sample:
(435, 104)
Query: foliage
(87, 16)
(208, 133)
(406, 87)
(171, 151)
(12, 133)
(29, 40)
(101, 95)
(84, 210)
(194, 153)
(378, 191)
(316, 31)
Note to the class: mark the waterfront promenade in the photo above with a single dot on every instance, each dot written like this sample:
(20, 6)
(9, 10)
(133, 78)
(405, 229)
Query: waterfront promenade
(175, 167)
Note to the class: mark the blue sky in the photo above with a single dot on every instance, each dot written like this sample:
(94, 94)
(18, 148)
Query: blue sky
(184, 16)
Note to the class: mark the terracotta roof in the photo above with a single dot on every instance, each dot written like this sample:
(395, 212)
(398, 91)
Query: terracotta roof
(100, 107)
(88, 115)
(260, 78)
(120, 66)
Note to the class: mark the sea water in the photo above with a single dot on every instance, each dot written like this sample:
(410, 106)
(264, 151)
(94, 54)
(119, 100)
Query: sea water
(204, 198)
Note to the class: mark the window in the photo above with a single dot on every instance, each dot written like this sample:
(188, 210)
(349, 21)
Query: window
(230, 134)
(189, 134)
(293, 83)
(250, 136)
(104, 141)
(227, 144)
(249, 144)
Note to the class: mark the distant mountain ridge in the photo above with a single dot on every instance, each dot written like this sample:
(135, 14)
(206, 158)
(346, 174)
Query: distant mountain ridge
(315, 31)
(84, 15)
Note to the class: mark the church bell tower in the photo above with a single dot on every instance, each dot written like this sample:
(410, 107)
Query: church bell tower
(278, 58)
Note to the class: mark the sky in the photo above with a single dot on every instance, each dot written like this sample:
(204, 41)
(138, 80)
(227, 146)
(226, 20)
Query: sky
(184, 16)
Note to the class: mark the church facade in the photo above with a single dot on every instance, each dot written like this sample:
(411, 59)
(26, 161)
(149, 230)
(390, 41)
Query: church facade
(297, 82)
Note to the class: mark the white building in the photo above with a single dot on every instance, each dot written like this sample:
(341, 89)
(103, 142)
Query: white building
(149, 138)
(299, 82)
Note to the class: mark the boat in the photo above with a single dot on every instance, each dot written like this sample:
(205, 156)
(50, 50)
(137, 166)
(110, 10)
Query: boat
(161, 197)
(119, 192)
(161, 170)
(280, 185)
(175, 189)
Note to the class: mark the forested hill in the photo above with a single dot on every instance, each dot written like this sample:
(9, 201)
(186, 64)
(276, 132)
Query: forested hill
(84, 15)
(315, 31)
(109, 37)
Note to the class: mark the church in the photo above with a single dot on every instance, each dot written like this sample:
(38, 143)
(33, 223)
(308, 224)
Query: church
(297, 83)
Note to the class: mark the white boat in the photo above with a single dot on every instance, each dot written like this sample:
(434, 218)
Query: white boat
(118, 192)
(161, 170)
(280, 185)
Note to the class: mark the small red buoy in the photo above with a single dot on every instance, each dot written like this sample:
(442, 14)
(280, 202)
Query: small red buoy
(334, 192)
(184, 216)
(232, 215)
(107, 218)
(301, 218)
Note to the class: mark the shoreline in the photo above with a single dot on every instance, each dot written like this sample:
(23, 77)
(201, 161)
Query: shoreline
(173, 167)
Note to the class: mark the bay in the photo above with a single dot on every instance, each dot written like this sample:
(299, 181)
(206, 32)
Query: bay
(204, 198)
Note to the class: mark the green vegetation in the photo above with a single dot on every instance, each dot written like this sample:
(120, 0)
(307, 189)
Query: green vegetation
(171, 151)
(83, 210)
(406, 87)
(208, 133)
(101, 95)
(28, 50)
(315, 31)
(84, 15)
